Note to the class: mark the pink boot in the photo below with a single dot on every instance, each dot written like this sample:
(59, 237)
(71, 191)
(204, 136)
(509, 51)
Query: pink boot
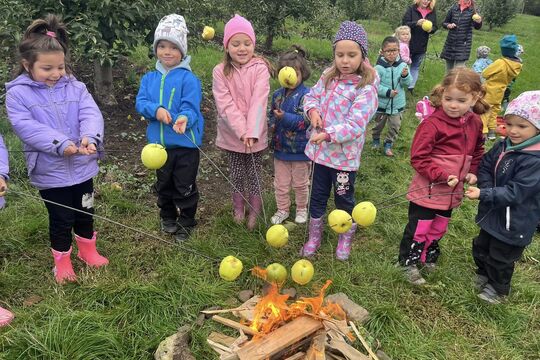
(255, 202)
(314, 240)
(5, 317)
(238, 207)
(88, 253)
(343, 250)
(63, 269)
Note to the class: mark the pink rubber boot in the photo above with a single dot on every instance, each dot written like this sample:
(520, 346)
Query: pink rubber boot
(343, 250)
(5, 317)
(255, 208)
(63, 269)
(314, 240)
(238, 208)
(88, 253)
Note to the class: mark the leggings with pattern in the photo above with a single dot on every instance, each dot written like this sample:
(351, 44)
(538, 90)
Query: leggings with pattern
(245, 171)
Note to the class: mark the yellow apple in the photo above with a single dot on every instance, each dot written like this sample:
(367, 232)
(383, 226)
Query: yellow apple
(287, 77)
(340, 221)
(364, 213)
(276, 273)
(302, 272)
(116, 186)
(230, 268)
(476, 17)
(208, 33)
(277, 236)
(153, 156)
(427, 26)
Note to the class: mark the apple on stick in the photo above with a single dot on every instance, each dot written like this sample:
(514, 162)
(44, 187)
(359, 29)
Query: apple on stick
(277, 236)
(153, 156)
(302, 272)
(287, 77)
(276, 273)
(364, 213)
(340, 221)
(230, 268)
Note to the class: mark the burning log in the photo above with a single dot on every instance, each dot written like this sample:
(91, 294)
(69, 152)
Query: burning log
(234, 325)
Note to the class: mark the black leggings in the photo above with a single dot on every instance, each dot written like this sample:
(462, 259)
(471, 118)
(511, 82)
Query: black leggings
(62, 220)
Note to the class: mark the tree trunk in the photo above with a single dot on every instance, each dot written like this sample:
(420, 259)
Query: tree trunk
(269, 40)
(103, 84)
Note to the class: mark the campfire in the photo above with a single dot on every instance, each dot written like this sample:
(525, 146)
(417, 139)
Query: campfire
(274, 327)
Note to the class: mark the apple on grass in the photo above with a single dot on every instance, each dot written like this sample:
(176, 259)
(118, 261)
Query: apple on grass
(277, 236)
(276, 273)
(302, 271)
(340, 221)
(230, 268)
(153, 156)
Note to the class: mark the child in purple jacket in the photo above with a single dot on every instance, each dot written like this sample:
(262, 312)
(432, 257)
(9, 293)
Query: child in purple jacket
(61, 128)
(5, 315)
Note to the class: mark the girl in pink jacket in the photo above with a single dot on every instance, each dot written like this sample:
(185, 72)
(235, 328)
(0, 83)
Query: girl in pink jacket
(339, 108)
(241, 87)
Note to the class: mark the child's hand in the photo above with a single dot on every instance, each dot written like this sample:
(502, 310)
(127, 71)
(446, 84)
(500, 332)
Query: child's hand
(393, 93)
(70, 150)
(86, 148)
(405, 71)
(315, 118)
(3, 186)
(249, 142)
(318, 138)
(278, 113)
(452, 180)
(163, 116)
(472, 192)
(451, 26)
(420, 22)
(477, 19)
(471, 179)
(180, 125)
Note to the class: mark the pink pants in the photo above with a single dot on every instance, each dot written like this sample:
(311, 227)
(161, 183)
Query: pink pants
(295, 174)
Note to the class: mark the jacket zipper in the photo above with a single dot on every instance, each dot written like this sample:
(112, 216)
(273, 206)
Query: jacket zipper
(508, 215)
(161, 86)
(68, 159)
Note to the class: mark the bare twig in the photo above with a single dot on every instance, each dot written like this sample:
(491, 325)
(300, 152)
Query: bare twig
(363, 341)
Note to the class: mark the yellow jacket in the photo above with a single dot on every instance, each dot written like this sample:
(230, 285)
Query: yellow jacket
(498, 76)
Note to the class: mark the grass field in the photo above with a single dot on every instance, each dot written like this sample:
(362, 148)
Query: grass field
(152, 288)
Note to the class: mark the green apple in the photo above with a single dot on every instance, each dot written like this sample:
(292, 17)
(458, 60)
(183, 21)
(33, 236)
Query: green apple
(287, 77)
(277, 236)
(153, 156)
(230, 268)
(340, 221)
(364, 213)
(302, 272)
(276, 273)
(476, 17)
(427, 26)
(208, 33)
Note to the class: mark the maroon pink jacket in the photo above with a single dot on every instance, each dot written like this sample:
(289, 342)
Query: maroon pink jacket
(444, 146)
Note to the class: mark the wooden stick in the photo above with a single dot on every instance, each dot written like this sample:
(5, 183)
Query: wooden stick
(234, 325)
(222, 311)
(219, 346)
(363, 341)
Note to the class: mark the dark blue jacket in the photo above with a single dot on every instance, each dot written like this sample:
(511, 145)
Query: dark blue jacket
(509, 181)
(289, 137)
(179, 92)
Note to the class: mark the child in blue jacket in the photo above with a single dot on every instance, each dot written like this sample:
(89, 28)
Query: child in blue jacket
(395, 78)
(509, 194)
(170, 99)
(288, 130)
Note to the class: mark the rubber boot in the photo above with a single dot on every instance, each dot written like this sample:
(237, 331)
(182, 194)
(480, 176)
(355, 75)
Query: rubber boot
(314, 239)
(5, 317)
(238, 207)
(88, 253)
(343, 250)
(63, 269)
(255, 207)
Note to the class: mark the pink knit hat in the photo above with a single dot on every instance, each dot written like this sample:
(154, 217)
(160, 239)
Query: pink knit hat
(527, 106)
(238, 25)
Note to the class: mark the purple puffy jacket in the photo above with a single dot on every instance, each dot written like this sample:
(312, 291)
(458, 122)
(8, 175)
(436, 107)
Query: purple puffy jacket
(47, 120)
(4, 167)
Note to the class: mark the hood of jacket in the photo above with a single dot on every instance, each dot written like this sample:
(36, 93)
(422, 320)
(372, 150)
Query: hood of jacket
(441, 115)
(25, 79)
(513, 65)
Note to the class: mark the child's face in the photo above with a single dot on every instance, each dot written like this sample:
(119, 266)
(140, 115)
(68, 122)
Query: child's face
(348, 56)
(390, 52)
(518, 129)
(404, 36)
(48, 68)
(168, 54)
(456, 103)
(240, 49)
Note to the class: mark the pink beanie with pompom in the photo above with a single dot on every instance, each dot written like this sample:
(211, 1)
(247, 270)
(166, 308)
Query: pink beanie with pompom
(237, 25)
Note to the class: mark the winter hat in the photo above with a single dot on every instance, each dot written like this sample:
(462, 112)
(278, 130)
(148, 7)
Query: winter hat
(483, 52)
(349, 30)
(237, 25)
(509, 45)
(527, 106)
(172, 28)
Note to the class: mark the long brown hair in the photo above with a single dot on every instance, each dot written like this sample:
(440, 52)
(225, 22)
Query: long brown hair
(365, 70)
(465, 80)
(42, 36)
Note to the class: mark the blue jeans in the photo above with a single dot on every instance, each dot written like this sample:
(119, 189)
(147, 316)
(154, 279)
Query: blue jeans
(324, 178)
(415, 68)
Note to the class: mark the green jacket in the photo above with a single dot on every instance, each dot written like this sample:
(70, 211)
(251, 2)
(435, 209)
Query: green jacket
(391, 79)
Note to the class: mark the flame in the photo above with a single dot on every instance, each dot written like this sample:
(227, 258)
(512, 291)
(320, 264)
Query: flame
(272, 311)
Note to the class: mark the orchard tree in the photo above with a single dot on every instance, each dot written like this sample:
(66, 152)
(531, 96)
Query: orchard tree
(499, 12)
